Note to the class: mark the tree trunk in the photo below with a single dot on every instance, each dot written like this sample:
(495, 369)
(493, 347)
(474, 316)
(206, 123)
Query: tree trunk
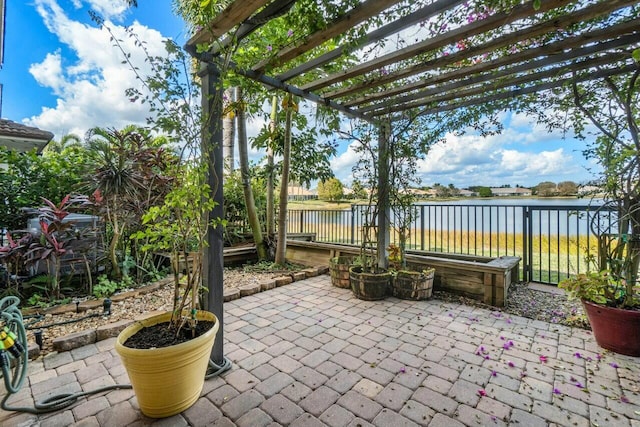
(113, 245)
(228, 133)
(281, 249)
(271, 211)
(252, 213)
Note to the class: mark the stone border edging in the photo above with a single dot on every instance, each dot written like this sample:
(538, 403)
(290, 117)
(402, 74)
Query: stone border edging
(91, 336)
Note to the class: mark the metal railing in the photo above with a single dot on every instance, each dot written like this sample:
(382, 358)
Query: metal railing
(552, 240)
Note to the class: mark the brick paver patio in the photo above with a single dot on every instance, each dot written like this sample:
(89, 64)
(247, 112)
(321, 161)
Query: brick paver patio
(309, 354)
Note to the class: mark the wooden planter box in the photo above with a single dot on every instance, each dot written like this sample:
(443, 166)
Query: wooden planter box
(485, 279)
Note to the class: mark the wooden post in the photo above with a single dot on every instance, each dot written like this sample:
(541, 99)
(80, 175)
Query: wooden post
(212, 148)
(384, 211)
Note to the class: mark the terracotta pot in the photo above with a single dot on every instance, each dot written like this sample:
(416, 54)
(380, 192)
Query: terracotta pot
(167, 380)
(615, 329)
(369, 286)
(339, 271)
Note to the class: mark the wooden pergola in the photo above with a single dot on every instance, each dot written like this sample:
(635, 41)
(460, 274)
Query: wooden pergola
(524, 49)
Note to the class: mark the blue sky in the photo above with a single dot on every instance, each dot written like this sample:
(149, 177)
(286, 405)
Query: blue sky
(61, 74)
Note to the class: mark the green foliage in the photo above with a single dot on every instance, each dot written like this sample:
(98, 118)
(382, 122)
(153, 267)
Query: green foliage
(28, 177)
(235, 210)
(484, 191)
(357, 190)
(600, 287)
(104, 287)
(39, 301)
(131, 171)
(310, 152)
(330, 190)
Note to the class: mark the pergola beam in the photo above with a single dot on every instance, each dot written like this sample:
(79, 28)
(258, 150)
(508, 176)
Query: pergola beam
(234, 14)
(451, 93)
(544, 57)
(500, 42)
(277, 84)
(524, 91)
(475, 28)
(422, 14)
(355, 16)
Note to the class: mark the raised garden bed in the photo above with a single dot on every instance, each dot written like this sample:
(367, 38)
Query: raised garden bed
(485, 279)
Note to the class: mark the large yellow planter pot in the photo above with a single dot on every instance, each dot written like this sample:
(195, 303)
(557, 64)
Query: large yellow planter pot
(167, 380)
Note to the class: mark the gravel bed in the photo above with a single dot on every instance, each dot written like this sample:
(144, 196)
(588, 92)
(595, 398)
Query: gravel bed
(542, 302)
(523, 300)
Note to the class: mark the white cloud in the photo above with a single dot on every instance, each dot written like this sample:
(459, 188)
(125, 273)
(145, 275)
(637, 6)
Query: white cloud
(48, 73)
(109, 9)
(473, 160)
(91, 86)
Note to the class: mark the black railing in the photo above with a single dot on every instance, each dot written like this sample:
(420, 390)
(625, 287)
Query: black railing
(553, 241)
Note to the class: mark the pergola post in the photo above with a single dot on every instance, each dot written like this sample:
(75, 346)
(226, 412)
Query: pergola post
(384, 206)
(213, 265)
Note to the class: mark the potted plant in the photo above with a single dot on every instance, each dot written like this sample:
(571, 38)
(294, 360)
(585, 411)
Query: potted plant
(167, 355)
(368, 277)
(608, 105)
(611, 305)
(413, 284)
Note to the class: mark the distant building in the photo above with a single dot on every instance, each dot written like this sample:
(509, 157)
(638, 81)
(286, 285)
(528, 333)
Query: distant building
(466, 193)
(505, 192)
(299, 193)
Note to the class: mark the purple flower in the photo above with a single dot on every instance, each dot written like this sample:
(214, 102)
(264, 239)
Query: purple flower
(624, 399)
(511, 364)
(494, 374)
(543, 359)
(578, 355)
(579, 385)
(289, 33)
(403, 370)
(509, 320)
(556, 391)
(481, 392)
(614, 365)
(487, 357)
(269, 48)
(450, 314)
(598, 356)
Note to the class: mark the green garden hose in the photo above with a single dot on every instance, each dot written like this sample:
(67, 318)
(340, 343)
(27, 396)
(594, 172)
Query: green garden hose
(14, 360)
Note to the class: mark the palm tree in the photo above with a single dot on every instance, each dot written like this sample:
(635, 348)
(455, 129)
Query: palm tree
(68, 140)
(116, 180)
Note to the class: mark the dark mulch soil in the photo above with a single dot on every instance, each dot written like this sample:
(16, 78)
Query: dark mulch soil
(163, 335)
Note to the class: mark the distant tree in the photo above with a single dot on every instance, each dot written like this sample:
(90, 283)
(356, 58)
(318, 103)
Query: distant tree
(484, 191)
(357, 190)
(331, 190)
(567, 188)
(441, 190)
(547, 189)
